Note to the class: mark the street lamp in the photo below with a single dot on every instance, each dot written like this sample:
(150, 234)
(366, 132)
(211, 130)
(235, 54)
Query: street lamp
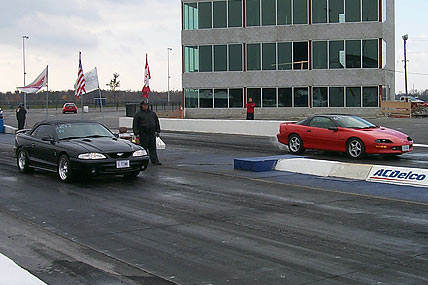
(168, 49)
(405, 38)
(23, 60)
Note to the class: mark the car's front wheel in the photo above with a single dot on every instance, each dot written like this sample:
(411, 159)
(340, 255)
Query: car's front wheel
(355, 148)
(64, 170)
(295, 144)
(22, 161)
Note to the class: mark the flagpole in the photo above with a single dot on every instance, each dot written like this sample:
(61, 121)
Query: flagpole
(99, 92)
(47, 92)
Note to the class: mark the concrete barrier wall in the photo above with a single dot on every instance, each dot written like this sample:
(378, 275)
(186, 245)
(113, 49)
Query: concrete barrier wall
(237, 127)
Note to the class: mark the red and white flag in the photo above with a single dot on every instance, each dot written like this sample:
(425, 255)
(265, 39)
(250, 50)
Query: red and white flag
(39, 82)
(146, 88)
(80, 85)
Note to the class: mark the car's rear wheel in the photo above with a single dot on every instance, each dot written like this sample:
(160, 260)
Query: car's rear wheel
(295, 144)
(355, 148)
(65, 172)
(22, 162)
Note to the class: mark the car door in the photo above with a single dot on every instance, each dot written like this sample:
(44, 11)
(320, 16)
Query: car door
(319, 134)
(43, 151)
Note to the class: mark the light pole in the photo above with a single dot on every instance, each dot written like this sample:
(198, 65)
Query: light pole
(405, 38)
(23, 60)
(168, 49)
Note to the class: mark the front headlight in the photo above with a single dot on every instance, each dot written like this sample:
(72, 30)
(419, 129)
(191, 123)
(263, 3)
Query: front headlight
(383, 141)
(139, 153)
(92, 155)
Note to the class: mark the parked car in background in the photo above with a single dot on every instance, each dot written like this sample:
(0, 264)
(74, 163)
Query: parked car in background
(1, 113)
(69, 108)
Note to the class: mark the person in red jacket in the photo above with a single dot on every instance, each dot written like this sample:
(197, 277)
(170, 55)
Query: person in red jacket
(250, 109)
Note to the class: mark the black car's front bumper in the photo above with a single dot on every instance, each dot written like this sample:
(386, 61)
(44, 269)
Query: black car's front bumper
(108, 166)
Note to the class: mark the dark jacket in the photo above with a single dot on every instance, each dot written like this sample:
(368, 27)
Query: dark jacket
(20, 113)
(145, 122)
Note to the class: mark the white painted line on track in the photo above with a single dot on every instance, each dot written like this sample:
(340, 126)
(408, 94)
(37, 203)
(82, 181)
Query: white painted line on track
(11, 273)
(420, 145)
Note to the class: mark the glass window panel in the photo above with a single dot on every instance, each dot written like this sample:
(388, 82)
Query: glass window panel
(269, 97)
(384, 11)
(285, 97)
(321, 122)
(384, 93)
(370, 97)
(253, 57)
(319, 11)
(320, 55)
(353, 97)
(220, 58)
(370, 54)
(336, 51)
(353, 10)
(336, 11)
(320, 97)
(236, 98)
(284, 12)
(205, 15)
(191, 98)
(220, 14)
(268, 13)
(269, 56)
(235, 13)
(205, 98)
(300, 55)
(384, 53)
(190, 16)
(353, 54)
(300, 11)
(285, 61)
(235, 57)
(255, 93)
(191, 59)
(205, 59)
(220, 98)
(370, 10)
(253, 13)
(336, 97)
(301, 97)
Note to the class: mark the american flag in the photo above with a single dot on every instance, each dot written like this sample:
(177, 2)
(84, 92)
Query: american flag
(79, 87)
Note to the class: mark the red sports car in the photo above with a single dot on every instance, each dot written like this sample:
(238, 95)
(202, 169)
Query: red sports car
(69, 108)
(343, 133)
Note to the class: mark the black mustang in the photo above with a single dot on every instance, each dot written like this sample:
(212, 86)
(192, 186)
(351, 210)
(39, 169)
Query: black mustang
(72, 147)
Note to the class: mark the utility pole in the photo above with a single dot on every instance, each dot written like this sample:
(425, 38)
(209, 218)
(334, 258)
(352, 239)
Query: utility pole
(405, 38)
(168, 49)
(23, 60)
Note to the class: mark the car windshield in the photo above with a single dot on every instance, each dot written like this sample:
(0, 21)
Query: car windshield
(353, 122)
(81, 130)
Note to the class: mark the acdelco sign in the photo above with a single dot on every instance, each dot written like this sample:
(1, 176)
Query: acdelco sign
(398, 175)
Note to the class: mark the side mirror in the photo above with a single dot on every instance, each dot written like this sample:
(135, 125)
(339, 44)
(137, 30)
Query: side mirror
(116, 135)
(335, 129)
(48, 139)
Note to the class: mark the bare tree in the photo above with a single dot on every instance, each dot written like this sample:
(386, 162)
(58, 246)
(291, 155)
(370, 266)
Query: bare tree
(114, 83)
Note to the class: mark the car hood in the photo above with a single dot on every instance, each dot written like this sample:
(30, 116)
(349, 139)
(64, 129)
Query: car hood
(102, 145)
(386, 133)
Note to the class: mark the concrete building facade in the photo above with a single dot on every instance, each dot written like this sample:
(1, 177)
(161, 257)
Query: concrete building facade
(292, 57)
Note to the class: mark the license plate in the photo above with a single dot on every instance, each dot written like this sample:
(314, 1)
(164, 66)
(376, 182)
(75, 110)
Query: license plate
(122, 163)
(405, 147)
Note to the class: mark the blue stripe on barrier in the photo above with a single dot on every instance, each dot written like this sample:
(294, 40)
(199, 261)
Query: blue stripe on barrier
(259, 164)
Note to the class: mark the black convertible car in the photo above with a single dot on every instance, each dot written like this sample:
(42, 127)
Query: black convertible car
(77, 147)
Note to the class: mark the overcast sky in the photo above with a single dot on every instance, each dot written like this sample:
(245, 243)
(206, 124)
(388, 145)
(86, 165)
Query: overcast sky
(114, 36)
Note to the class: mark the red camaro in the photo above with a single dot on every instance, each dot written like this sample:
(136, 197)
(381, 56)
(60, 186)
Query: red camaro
(343, 133)
(69, 108)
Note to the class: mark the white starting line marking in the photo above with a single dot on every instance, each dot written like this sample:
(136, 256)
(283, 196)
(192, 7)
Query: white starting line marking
(11, 273)
(420, 145)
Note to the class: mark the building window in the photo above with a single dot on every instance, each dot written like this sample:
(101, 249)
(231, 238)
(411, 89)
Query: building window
(253, 57)
(320, 97)
(353, 10)
(285, 56)
(320, 55)
(384, 10)
(353, 54)
(300, 55)
(220, 58)
(253, 13)
(205, 98)
(370, 54)
(284, 12)
(255, 93)
(300, 12)
(269, 56)
(336, 54)
(285, 97)
(370, 97)
(269, 97)
(205, 15)
(220, 14)
(191, 98)
(235, 57)
(236, 98)
(319, 11)
(205, 59)
(268, 13)
(190, 16)
(384, 53)
(370, 10)
(220, 98)
(301, 97)
(336, 97)
(235, 13)
(353, 96)
(336, 11)
(191, 59)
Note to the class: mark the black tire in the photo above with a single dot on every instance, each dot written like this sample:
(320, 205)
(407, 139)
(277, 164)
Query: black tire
(355, 148)
(22, 161)
(65, 173)
(295, 144)
(132, 174)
